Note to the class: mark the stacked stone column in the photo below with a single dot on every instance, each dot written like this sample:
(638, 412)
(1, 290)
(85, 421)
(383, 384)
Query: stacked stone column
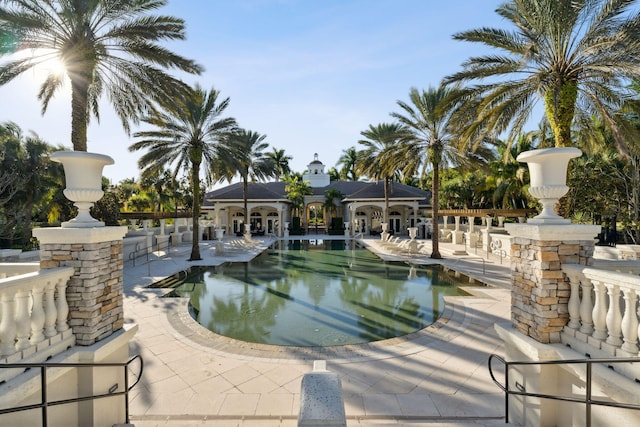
(95, 291)
(540, 293)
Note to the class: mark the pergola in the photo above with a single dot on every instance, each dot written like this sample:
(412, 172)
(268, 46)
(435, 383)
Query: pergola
(155, 215)
(497, 213)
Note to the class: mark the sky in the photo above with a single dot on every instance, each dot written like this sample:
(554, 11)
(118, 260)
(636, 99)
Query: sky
(309, 74)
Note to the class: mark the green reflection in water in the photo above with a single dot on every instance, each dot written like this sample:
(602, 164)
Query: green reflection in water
(316, 293)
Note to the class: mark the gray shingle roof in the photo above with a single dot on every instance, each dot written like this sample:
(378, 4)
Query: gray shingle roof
(352, 190)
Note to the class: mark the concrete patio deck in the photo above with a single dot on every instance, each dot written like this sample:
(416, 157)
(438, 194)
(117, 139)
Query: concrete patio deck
(435, 377)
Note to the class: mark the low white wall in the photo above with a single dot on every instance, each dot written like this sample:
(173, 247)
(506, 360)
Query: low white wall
(8, 269)
(133, 244)
(70, 382)
(623, 252)
(564, 380)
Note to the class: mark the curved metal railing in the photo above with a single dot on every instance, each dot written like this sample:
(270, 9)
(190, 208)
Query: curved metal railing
(45, 403)
(587, 400)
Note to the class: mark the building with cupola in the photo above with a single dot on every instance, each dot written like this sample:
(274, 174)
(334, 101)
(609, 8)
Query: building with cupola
(358, 208)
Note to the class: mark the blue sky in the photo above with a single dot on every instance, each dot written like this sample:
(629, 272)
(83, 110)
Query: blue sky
(310, 74)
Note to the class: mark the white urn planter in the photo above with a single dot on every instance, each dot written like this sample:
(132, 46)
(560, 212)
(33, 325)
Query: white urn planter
(83, 178)
(413, 232)
(548, 174)
(219, 233)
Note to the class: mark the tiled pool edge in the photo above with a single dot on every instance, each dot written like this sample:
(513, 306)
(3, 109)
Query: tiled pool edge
(449, 325)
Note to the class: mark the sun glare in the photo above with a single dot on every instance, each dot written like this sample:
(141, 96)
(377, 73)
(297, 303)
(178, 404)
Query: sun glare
(47, 63)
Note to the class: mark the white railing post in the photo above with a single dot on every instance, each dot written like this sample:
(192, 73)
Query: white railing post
(62, 307)
(22, 319)
(600, 312)
(614, 317)
(37, 315)
(630, 322)
(586, 307)
(7, 325)
(574, 302)
(50, 315)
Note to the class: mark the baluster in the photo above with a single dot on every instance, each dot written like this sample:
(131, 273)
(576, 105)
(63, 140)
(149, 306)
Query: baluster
(614, 317)
(586, 307)
(49, 310)
(630, 322)
(574, 303)
(7, 325)
(62, 306)
(37, 315)
(600, 313)
(23, 322)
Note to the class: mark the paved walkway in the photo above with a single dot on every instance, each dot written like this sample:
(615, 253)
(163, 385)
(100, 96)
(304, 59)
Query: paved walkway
(435, 377)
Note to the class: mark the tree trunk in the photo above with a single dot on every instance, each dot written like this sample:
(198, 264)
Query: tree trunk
(435, 189)
(245, 196)
(386, 201)
(79, 112)
(560, 103)
(195, 186)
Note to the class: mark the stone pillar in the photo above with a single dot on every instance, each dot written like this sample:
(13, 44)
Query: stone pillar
(540, 293)
(95, 291)
(457, 234)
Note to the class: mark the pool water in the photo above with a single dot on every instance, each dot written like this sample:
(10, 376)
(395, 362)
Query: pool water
(315, 293)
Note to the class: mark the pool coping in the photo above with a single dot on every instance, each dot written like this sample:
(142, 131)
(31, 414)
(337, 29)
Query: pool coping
(448, 326)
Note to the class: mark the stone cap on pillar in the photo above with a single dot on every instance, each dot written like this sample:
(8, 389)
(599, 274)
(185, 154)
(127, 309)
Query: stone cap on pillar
(549, 232)
(79, 235)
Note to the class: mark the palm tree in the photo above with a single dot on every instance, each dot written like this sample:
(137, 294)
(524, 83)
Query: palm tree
(296, 189)
(280, 162)
(348, 160)
(248, 159)
(433, 141)
(379, 159)
(105, 46)
(509, 177)
(329, 205)
(569, 53)
(188, 134)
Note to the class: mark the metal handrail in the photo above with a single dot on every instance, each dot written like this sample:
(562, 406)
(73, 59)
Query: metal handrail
(44, 404)
(147, 251)
(587, 400)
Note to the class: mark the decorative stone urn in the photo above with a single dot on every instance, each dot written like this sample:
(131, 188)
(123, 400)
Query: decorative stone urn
(219, 233)
(548, 173)
(83, 177)
(413, 243)
(385, 231)
(413, 232)
(346, 229)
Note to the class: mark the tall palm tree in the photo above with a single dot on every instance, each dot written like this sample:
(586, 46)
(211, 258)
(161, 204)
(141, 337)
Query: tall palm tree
(105, 46)
(379, 158)
(280, 162)
(296, 189)
(509, 177)
(189, 134)
(348, 160)
(433, 141)
(249, 160)
(329, 205)
(579, 53)
(25, 172)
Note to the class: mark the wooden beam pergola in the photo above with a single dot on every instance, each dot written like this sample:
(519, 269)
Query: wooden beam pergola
(508, 213)
(155, 215)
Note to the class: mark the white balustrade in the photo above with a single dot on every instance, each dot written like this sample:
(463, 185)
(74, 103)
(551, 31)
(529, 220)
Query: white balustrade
(33, 313)
(603, 308)
(630, 321)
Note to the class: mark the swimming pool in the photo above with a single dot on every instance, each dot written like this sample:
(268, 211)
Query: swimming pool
(315, 293)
